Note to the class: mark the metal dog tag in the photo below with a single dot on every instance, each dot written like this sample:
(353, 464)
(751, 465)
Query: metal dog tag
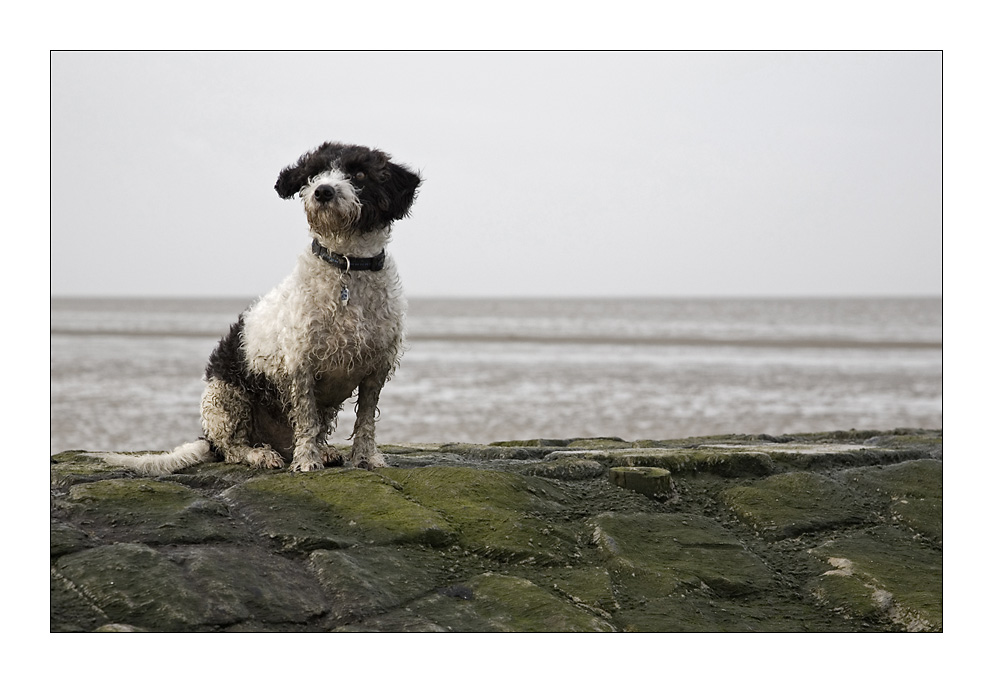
(344, 295)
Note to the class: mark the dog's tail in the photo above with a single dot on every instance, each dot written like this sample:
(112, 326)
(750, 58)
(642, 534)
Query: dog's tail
(156, 464)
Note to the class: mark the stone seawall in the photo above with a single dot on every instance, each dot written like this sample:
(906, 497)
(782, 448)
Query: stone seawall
(816, 532)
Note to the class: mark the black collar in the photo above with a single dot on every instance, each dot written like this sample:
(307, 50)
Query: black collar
(348, 263)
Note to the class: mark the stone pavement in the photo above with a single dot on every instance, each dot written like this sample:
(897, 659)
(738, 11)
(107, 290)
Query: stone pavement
(819, 532)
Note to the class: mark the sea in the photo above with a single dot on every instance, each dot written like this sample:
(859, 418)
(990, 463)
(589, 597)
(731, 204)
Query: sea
(126, 374)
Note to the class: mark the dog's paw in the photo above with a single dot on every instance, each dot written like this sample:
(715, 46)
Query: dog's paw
(367, 457)
(264, 458)
(308, 459)
(331, 456)
(305, 465)
(371, 463)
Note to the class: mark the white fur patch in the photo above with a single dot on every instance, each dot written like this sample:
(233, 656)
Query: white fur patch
(156, 464)
(334, 215)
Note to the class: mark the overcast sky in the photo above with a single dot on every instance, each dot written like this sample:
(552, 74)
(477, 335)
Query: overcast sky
(545, 174)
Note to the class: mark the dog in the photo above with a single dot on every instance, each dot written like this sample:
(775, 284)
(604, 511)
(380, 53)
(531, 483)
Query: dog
(276, 382)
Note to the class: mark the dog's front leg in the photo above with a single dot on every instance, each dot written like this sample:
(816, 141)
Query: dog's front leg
(364, 453)
(306, 421)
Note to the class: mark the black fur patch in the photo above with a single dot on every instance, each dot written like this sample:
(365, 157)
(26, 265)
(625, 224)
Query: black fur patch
(227, 362)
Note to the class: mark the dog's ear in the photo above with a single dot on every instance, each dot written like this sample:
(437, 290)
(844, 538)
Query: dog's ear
(402, 186)
(291, 179)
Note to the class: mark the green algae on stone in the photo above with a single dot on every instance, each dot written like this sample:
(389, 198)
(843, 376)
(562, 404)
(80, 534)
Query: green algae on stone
(654, 482)
(404, 449)
(723, 462)
(630, 457)
(474, 452)
(849, 596)
(588, 587)
(495, 602)
(217, 475)
(132, 583)
(904, 577)
(912, 490)
(75, 467)
(601, 443)
(497, 514)
(682, 572)
(514, 540)
(733, 463)
(569, 469)
(150, 511)
(688, 611)
(825, 455)
(651, 555)
(927, 442)
(338, 508)
(515, 604)
(790, 504)
(533, 443)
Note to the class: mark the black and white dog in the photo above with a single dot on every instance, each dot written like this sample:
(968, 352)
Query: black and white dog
(276, 382)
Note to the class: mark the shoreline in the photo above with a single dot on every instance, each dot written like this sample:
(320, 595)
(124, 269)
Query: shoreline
(808, 343)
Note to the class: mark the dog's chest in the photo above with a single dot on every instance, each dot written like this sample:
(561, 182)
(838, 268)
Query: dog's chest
(358, 340)
(303, 325)
(359, 335)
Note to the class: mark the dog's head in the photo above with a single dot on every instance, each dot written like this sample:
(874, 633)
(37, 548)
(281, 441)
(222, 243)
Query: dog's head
(348, 187)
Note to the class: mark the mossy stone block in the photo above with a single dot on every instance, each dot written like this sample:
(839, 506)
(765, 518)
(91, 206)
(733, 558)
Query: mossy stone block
(733, 462)
(850, 596)
(786, 505)
(70, 611)
(587, 586)
(494, 602)
(475, 452)
(721, 461)
(254, 585)
(569, 469)
(650, 481)
(903, 575)
(338, 508)
(65, 539)
(366, 581)
(650, 555)
(601, 443)
(150, 511)
(533, 443)
(512, 603)
(911, 490)
(130, 583)
(75, 467)
(497, 514)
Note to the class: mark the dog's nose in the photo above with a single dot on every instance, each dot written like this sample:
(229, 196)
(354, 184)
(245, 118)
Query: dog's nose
(324, 193)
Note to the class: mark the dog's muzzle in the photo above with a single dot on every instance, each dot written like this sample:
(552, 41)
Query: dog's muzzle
(324, 194)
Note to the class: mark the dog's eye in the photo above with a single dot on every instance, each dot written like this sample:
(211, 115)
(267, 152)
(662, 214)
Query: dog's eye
(359, 175)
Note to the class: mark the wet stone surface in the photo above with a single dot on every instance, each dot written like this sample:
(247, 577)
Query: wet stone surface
(839, 531)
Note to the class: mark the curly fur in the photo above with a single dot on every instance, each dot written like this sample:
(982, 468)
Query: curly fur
(276, 382)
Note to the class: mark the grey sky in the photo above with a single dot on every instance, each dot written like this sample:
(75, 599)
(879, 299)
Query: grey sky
(546, 174)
